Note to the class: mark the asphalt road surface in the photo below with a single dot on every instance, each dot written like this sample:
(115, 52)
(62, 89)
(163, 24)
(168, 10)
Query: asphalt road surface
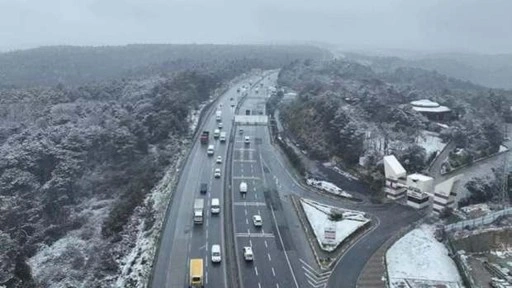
(282, 255)
(181, 239)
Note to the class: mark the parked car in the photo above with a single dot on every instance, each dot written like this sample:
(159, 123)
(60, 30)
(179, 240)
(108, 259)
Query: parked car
(247, 140)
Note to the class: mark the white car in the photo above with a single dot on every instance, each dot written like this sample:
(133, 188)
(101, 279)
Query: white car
(256, 220)
(247, 140)
(216, 255)
(220, 125)
(216, 174)
(219, 160)
(248, 256)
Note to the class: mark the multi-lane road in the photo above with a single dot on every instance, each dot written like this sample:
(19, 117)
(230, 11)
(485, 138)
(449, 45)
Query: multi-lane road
(282, 255)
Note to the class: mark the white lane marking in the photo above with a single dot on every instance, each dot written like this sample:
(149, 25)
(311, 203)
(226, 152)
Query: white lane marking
(248, 231)
(256, 270)
(250, 242)
(245, 212)
(269, 259)
(277, 285)
(284, 250)
(259, 213)
(246, 221)
(259, 285)
(245, 203)
(273, 272)
(206, 275)
(266, 244)
(255, 196)
(254, 235)
(254, 188)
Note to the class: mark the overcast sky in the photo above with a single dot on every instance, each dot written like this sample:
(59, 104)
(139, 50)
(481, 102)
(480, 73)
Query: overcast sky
(432, 25)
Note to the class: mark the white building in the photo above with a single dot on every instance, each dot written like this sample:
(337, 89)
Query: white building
(395, 178)
(419, 189)
(432, 110)
(444, 194)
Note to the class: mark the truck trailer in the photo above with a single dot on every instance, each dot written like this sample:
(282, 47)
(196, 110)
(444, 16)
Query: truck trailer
(205, 137)
(198, 211)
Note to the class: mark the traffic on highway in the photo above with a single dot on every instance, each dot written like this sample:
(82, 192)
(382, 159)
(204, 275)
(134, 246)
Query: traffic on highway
(232, 223)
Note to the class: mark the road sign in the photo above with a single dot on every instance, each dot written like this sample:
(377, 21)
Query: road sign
(329, 234)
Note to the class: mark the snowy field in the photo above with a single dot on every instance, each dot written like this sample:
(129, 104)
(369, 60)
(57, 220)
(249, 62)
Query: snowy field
(318, 218)
(328, 187)
(418, 259)
(430, 141)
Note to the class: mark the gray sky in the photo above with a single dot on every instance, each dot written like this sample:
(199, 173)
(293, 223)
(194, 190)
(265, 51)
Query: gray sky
(440, 25)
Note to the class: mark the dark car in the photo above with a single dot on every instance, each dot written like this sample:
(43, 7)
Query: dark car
(204, 188)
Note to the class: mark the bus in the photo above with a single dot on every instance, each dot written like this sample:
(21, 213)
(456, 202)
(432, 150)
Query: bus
(196, 273)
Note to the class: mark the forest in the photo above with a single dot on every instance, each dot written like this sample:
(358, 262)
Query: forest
(85, 135)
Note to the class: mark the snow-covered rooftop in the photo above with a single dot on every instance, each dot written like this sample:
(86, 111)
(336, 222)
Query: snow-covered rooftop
(444, 188)
(392, 168)
(420, 177)
(425, 105)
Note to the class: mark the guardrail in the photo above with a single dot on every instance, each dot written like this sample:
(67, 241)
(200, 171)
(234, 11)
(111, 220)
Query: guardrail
(484, 220)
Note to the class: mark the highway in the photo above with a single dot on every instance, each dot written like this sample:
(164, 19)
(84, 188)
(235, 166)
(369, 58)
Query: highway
(271, 243)
(282, 253)
(181, 239)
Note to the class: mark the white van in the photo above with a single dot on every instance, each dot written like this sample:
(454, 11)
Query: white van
(211, 150)
(222, 136)
(215, 206)
(243, 187)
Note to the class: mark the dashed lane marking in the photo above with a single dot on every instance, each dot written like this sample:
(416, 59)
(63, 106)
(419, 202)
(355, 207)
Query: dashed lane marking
(246, 177)
(255, 235)
(245, 203)
(273, 272)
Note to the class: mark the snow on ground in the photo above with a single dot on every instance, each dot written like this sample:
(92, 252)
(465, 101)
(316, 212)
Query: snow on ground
(59, 264)
(328, 187)
(135, 265)
(419, 259)
(193, 117)
(318, 218)
(430, 141)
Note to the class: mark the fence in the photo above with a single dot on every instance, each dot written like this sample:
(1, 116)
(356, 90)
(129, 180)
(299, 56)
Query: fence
(484, 220)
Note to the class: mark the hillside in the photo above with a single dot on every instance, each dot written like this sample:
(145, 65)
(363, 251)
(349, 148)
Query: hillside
(80, 165)
(69, 65)
(493, 71)
(345, 110)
